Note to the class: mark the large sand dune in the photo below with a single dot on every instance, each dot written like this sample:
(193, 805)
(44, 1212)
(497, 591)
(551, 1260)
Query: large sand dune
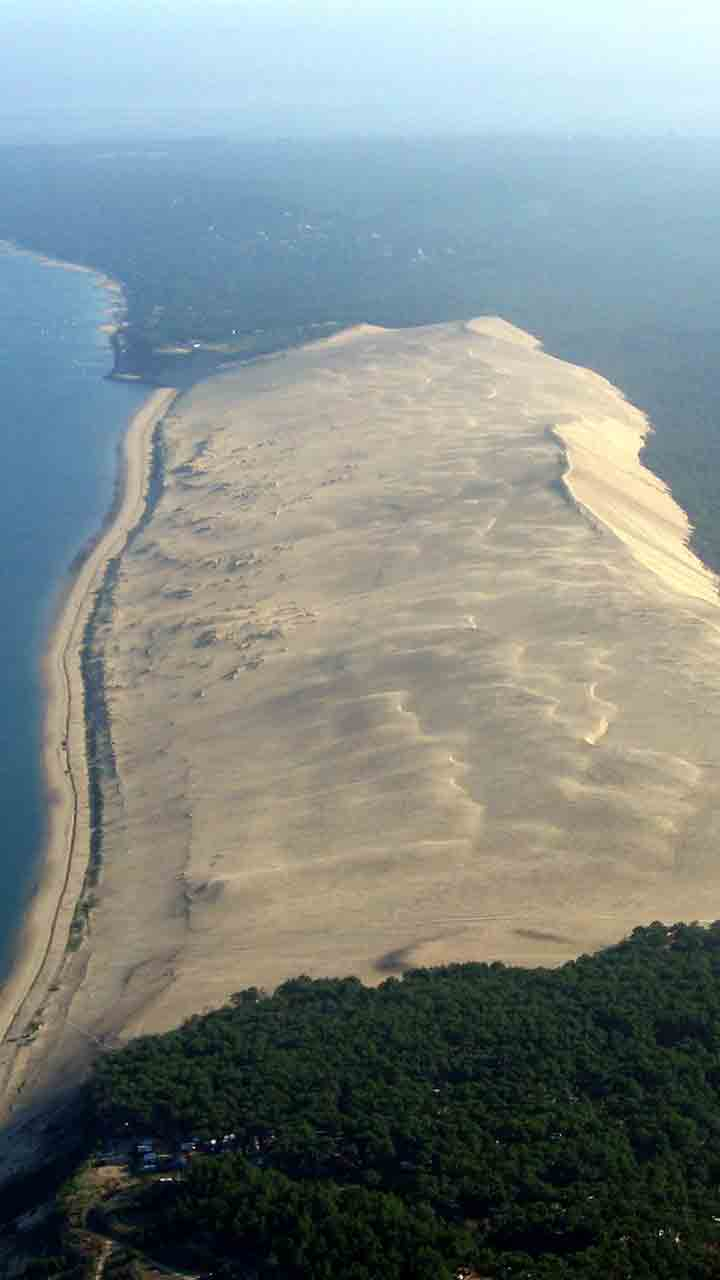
(386, 690)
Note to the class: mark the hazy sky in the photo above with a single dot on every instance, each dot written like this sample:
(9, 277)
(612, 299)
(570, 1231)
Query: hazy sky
(310, 66)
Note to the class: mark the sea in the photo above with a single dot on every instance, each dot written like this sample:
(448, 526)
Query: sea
(60, 420)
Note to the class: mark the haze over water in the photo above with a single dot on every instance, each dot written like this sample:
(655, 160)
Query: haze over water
(61, 422)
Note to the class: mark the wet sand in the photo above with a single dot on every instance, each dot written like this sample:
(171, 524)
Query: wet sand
(410, 665)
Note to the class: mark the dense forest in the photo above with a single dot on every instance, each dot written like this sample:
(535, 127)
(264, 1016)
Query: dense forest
(608, 250)
(479, 1118)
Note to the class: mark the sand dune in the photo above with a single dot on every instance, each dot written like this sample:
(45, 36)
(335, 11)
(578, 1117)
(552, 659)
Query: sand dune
(387, 690)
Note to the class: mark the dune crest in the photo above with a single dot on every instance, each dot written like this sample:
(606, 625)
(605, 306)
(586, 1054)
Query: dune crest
(605, 477)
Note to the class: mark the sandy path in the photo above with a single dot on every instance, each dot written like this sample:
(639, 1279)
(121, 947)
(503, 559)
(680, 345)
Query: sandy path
(64, 749)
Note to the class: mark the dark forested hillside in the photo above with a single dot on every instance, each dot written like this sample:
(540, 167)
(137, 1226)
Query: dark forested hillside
(519, 1123)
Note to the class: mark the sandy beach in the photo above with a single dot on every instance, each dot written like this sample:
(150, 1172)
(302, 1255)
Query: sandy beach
(65, 861)
(411, 665)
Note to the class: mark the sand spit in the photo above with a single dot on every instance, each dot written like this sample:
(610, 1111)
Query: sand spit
(46, 930)
(382, 696)
(116, 311)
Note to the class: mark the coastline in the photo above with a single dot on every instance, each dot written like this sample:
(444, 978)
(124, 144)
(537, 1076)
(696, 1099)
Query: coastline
(45, 931)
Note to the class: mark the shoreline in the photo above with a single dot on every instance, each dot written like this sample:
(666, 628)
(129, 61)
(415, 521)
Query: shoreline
(45, 931)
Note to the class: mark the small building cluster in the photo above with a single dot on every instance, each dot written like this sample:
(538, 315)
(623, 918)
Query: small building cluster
(148, 1154)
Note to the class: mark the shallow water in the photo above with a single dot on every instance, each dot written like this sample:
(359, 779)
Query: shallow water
(60, 422)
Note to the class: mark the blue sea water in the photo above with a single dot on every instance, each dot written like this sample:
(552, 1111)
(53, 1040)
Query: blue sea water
(60, 424)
